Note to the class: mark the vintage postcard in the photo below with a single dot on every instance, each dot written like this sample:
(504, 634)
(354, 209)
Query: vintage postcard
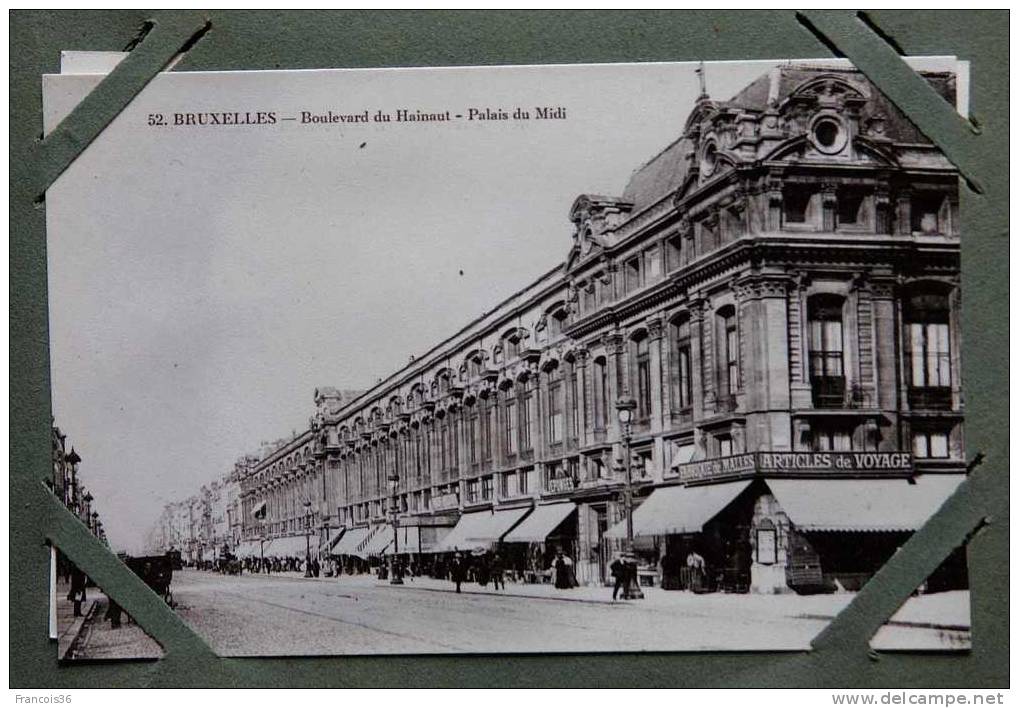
(577, 358)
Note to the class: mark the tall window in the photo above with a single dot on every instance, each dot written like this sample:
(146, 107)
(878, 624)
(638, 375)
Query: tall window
(601, 398)
(555, 412)
(826, 337)
(684, 382)
(474, 435)
(454, 444)
(930, 360)
(832, 439)
(487, 434)
(631, 274)
(443, 449)
(643, 379)
(652, 264)
(574, 404)
(511, 427)
(525, 421)
(729, 349)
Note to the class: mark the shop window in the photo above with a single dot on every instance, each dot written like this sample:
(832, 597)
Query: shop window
(684, 381)
(631, 274)
(930, 444)
(652, 264)
(827, 374)
(928, 212)
(796, 202)
(850, 206)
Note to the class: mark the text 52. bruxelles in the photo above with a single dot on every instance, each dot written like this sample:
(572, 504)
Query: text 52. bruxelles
(214, 118)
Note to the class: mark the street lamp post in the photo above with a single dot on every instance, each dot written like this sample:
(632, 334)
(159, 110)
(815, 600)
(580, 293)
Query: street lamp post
(625, 407)
(395, 576)
(261, 551)
(307, 539)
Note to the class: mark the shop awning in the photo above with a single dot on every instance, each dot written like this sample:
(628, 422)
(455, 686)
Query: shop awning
(480, 528)
(378, 542)
(409, 538)
(347, 545)
(862, 504)
(542, 522)
(496, 526)
(672, 510)
(334, 536)
(288, 547)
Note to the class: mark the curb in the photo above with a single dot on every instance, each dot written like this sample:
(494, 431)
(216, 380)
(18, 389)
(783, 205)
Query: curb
(76, 643)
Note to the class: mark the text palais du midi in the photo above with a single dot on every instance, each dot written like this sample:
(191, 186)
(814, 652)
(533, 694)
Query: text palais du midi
(405, 115)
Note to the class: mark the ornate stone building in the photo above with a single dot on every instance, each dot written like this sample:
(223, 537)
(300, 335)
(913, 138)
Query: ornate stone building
(778, 290)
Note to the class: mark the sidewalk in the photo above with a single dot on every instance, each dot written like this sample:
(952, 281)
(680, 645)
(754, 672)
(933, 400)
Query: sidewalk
(69, 627)
(96, 639)
(948, 610)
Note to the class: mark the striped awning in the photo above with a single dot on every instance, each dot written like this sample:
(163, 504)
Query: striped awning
(863, 504)
(288, 547)
(409, 541)
(334, 536)
(351, 539)
(481, 528)
(378, 542)
(676, 510)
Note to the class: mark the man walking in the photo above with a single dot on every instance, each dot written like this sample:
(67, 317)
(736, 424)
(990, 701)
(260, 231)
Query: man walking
(497, 572)
(456, 569)
(621, 575)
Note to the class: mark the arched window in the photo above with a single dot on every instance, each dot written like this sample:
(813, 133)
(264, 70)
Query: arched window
(827, 368)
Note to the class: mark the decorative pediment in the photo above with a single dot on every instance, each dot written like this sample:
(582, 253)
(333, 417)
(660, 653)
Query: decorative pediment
(829, 91)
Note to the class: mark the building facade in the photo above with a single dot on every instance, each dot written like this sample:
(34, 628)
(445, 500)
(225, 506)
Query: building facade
(778, 291)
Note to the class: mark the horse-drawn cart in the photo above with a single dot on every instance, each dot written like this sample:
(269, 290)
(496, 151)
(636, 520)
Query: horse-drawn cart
(156, 571)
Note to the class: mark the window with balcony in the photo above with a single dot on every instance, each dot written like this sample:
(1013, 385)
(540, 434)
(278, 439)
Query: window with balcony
(928, 349)
(827, 373)
(828, 438)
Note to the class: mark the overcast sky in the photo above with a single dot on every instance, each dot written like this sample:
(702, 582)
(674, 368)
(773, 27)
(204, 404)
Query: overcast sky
(204, 281)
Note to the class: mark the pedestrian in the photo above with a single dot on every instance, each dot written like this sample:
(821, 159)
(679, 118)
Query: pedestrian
(695, 565)
(620, 574)
(316, 567)
(498, 568)
(562, 572)
(456, 570)
(77, 591)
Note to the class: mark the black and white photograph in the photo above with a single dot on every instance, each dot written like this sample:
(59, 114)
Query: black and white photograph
(658, 357)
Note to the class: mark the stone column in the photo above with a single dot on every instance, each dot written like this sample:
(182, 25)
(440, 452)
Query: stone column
(583, 396)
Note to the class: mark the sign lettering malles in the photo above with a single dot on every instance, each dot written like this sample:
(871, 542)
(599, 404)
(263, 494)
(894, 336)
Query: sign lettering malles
(793, 462)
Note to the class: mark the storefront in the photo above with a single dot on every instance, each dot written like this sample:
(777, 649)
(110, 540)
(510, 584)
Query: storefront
(531, 547)
(772, 535)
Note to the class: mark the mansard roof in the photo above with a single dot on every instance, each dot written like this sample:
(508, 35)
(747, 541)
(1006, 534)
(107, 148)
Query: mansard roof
(667, 171)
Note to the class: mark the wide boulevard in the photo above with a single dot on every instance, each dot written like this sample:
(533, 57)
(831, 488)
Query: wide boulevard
(289, 615)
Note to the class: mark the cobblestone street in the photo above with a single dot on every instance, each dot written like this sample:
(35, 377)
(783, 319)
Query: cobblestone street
(290, 615)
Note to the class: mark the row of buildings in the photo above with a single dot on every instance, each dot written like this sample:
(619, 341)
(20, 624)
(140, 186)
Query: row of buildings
(67, 485)
(777, 292)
